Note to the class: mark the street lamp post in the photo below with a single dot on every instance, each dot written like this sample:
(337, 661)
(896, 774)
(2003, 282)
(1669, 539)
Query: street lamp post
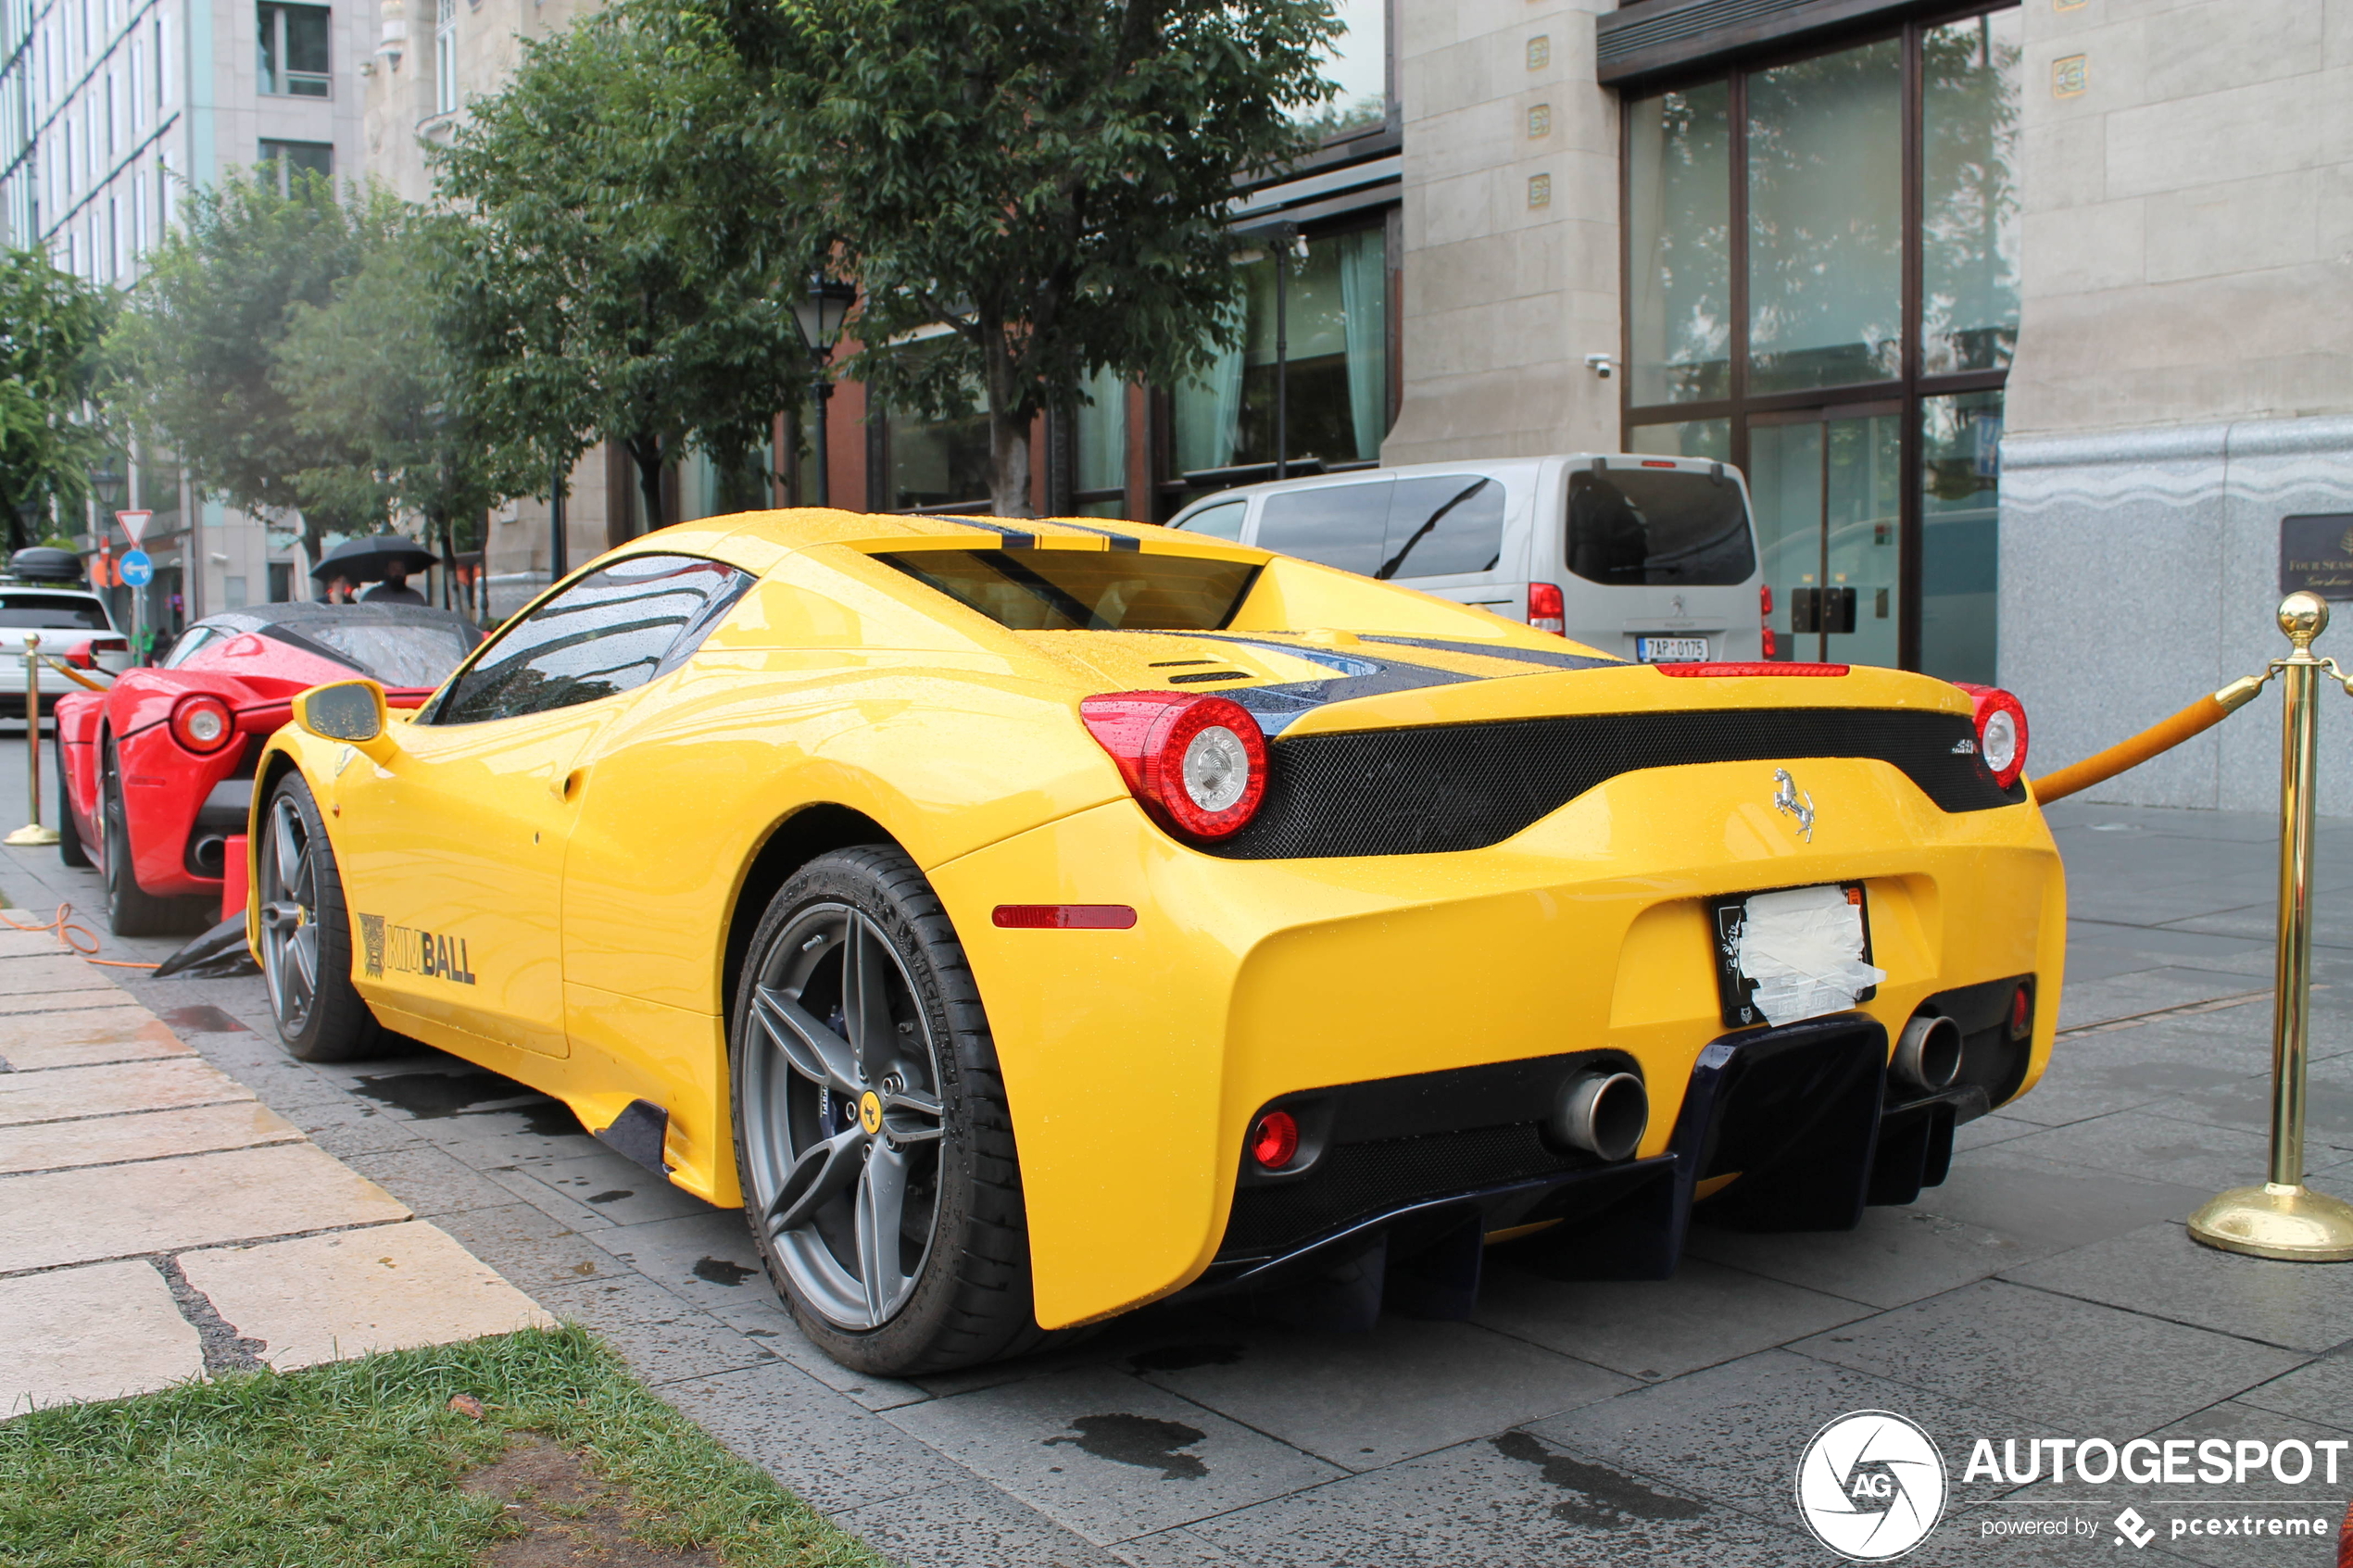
(819, 313)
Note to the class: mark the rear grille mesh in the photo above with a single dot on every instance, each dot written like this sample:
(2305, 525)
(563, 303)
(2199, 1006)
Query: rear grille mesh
(1357, 1181)
(1464, 787)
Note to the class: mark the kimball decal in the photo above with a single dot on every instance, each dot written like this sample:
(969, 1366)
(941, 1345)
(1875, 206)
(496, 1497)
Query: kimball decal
(407, 950)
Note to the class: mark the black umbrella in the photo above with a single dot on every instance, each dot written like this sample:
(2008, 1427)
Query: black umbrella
(367, 560)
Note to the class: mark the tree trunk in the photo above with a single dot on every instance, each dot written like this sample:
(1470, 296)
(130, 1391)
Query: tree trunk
(646, 453)
(1008, 425)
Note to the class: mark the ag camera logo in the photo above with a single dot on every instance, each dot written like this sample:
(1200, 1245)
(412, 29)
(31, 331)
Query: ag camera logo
(1871, 1485)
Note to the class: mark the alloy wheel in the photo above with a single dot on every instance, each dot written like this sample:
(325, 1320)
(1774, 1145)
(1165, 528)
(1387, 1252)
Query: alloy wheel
(842, 1116)
(289, 917)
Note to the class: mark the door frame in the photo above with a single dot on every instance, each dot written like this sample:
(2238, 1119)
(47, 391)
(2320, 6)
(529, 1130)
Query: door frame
(1821, 414)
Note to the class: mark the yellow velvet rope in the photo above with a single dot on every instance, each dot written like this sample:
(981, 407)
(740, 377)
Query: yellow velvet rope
(2195, 720)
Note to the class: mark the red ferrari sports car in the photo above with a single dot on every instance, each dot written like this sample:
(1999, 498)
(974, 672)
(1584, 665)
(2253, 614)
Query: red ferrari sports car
(156, 771)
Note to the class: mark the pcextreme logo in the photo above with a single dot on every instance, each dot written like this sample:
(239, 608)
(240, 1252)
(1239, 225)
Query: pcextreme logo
(407, 950)
(1871, 1485)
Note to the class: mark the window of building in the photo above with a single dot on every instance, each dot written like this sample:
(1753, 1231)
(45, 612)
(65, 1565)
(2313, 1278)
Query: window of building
(445, 58)
(936, 464)
(1822, 263)
(1099, 450)
(294, 51)
(1322, 343)
(287, 161)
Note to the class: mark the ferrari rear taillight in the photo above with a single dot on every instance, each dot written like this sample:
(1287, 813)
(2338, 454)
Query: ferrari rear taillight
(1546, 611)
(1273, 1142)
(2001, 731)
(1197, 763)
(85, 656)
(201, 723)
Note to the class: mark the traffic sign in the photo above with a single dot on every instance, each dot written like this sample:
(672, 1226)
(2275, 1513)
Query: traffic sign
(133, 523)
(137, 570)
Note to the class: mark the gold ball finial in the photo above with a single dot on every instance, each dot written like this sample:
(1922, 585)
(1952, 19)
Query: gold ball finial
(2303, 617)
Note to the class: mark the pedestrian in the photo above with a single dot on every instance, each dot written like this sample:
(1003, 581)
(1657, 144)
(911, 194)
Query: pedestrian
(394, 589)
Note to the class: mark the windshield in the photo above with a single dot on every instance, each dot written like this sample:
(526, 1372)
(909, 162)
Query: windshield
(52, 612)
(396, 656)
(1660, 527)
(1085, 589)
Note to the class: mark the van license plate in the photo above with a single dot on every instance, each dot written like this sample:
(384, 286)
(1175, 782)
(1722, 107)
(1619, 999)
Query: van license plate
(1671, 650)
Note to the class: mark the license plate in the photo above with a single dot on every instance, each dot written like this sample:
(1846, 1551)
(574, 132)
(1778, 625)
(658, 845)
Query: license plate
(1670, 650)
(1792, 953)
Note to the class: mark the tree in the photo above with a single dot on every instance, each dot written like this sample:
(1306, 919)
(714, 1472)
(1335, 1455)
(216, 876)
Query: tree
(369, 378)
(1048, 179)
(623, 272)
(52, 374)
(200, 343)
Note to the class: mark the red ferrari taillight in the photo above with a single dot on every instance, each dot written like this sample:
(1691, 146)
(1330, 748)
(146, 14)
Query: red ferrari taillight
(2001, 731)
(1546, 610)
(1196, 762)
(201, 723)
(1273, 1142)
(86, 656)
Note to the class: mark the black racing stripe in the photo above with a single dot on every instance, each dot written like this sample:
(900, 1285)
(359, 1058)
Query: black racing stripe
(1015, 539)
(1492, 651)
(1118, 541)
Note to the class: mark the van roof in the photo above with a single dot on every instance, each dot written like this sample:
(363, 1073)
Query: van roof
(1501, 468)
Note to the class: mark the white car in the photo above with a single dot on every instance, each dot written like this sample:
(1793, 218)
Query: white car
(1653, 558)
(74, 625)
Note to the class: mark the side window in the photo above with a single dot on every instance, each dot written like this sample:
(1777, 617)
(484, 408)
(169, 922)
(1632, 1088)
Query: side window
(611, 632)
(1340, 525)
(1222, 520)
(1451, 523)
(190, 641)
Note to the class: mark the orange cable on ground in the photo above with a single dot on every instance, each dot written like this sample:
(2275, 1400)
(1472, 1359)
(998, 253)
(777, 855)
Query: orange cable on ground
(2195, 720)
(65, 928)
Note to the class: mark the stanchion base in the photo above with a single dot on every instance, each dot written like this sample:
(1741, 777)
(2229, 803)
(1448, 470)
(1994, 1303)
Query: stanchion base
(2294, 1224)
(32, 836)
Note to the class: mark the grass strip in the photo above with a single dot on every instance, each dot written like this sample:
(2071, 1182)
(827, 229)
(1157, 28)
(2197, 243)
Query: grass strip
(358, 1463)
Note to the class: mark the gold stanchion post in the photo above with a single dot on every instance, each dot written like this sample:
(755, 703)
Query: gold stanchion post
(2283, 1218)
(32, 834)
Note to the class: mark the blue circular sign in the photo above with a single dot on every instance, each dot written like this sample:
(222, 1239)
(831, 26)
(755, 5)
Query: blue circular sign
(137, 570)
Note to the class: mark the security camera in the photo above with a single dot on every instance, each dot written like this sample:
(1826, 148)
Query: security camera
(1601, 364)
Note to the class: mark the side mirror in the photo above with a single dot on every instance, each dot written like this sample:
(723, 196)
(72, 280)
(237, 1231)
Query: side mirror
(352, 711)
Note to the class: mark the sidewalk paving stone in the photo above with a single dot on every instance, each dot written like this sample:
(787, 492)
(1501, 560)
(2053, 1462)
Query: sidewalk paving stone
(96, 1333)
(329, 1297)
(973, 1522)
(148, 1135)
(824, 1446)
(68, 1092)
(2159, 1272)
(86, 1039)
(38, 1002)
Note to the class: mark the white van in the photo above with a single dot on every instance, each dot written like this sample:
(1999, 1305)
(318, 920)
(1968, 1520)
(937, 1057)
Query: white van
(1653, 558)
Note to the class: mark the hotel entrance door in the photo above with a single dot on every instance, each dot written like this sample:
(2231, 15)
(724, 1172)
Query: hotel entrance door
(1827, 487)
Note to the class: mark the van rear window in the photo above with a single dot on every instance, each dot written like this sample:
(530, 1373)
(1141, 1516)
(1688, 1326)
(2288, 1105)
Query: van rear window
(1085, 589)
(1662, 527)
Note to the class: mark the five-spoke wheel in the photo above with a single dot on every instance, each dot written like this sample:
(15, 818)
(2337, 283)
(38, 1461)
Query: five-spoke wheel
(306, 933)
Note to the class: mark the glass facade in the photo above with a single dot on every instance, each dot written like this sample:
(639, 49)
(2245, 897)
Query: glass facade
(1099, 450)
(1822, 263)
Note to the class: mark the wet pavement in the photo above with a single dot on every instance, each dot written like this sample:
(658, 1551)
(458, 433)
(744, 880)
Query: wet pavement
(2045, 1290)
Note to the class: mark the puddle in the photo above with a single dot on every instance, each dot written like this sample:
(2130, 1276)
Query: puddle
(202, 1018)
(1181, 1358)
(718, 1271)
(613, 1196)
(428, 1096)
(1140, 1440)
(1606, 1499)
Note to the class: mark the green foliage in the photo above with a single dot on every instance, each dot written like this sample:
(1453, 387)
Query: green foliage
(52, 372)
(358, 1462)
(200, 343)
(628, 247)
(1050, 178)
(368, 375)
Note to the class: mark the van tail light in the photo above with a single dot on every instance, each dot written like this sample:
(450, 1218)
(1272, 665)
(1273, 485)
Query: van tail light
(1765, 619)
(2001, 731)
(1197, 763)
(1546, 611)
(201, 723)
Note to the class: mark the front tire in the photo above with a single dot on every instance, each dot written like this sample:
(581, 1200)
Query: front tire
(69, 847)
(872, 1134)
(306, 934)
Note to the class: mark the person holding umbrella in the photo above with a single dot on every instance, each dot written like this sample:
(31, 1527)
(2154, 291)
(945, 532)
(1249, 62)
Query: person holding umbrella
(385, 559)
(394, 589)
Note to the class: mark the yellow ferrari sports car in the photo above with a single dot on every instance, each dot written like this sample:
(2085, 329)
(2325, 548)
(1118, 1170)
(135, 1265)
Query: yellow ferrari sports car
(1028, 921)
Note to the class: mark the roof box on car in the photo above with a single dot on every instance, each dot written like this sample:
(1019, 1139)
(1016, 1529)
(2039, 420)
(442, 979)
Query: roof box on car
(44, 564)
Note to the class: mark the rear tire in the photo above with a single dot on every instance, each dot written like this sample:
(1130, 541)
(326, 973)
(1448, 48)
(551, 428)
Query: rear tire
(865, 1084)
(131, 911)
(306, 934)
(70, 846)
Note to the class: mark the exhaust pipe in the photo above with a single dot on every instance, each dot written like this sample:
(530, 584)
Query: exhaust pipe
(1928, 1055)
(1602, 1113)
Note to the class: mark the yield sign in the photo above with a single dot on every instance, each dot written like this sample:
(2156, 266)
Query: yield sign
(133, 523)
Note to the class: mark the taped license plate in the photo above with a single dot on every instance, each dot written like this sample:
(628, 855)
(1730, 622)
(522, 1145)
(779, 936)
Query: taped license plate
(1792, 953)
(1670, 650)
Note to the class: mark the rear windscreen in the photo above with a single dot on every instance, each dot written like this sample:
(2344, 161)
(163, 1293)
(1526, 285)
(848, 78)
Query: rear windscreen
(51, 612)
(396, 656)
(1084, 590)
(1664, 527)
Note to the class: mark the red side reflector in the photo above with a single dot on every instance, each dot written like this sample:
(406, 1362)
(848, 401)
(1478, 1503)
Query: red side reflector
(1275, 1141)
(1064, 917)
(1775, 669)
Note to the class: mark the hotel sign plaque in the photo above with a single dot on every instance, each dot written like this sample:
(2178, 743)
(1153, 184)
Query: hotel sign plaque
(2316, 554)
